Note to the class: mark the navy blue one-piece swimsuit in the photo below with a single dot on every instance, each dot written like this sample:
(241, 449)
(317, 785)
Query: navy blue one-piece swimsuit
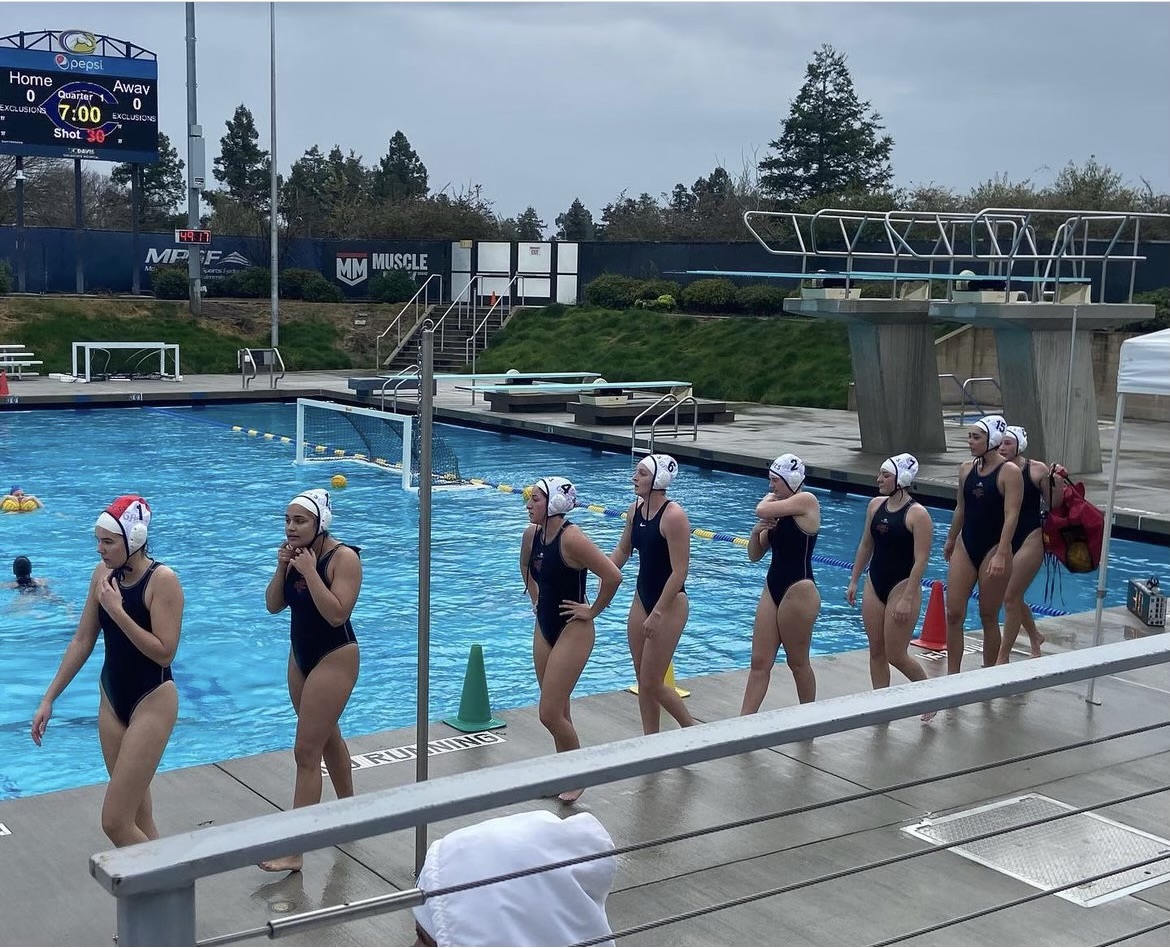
(312, 636)
(556, 582)
(128, 675)
(654, 566)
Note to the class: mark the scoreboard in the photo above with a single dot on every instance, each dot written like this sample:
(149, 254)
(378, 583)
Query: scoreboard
(78, 105)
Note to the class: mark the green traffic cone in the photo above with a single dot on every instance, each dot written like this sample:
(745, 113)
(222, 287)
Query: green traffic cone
(475, 709)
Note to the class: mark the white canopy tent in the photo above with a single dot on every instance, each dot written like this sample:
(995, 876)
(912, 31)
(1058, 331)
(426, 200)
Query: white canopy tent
(1144, 369)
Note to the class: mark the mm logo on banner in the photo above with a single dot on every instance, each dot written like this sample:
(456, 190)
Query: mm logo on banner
(353, 268)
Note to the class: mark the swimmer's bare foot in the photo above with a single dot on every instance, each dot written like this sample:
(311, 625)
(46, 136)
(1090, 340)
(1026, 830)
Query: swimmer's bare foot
(286, 864)
(570, 796)
(1036, 643)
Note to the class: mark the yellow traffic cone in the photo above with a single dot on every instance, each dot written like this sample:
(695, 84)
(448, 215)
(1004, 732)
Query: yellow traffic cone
(668, 680)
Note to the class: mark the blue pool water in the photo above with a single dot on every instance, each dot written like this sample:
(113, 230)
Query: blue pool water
(219, 498)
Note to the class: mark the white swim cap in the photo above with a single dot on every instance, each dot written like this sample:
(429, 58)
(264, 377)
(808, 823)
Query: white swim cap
(662, 467)
(316, 501)
(1021, 436)
(555, 907)
(790, 469)
(128, 515)
(904, 467)
(995, 426)
(561, 494)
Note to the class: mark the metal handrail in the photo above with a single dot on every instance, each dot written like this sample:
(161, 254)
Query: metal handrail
(411, 372)
(154, 882)
(457, 304)
(675, 404)
(245, 358)
(966, 396)
(423, 291)
(503, 302)
(1001, 237)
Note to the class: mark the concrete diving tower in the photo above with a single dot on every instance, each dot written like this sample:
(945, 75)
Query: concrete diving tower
(895, 370)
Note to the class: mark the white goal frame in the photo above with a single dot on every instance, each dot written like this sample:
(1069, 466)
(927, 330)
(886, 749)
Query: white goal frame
(311, 457)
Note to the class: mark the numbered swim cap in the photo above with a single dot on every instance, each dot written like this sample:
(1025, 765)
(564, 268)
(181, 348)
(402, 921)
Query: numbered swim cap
(790, 469)
(1021, 436)
(995, 426)
(128, 515)
(316, 501)
(904, 467)
(662, 467)
(561, 494)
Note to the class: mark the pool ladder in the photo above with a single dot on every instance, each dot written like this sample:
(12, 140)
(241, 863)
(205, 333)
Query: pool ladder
(673, 401)
(252, 360)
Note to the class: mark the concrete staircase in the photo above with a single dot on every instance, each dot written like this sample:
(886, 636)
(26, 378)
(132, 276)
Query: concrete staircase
(450, 339)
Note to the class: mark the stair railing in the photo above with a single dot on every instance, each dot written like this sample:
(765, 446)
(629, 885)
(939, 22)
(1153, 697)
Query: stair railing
(396, 324)
(458, 306)
(503, 304)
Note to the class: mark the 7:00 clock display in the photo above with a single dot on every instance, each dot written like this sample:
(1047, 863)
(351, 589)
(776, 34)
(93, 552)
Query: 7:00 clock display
(96, 117)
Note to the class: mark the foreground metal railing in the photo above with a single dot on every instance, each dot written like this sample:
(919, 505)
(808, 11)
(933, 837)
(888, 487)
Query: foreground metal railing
(154, 882)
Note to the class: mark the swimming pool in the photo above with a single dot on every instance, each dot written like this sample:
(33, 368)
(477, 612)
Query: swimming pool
(219, 498)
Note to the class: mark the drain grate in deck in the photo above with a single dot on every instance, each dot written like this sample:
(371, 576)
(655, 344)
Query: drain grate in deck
(1055, 853)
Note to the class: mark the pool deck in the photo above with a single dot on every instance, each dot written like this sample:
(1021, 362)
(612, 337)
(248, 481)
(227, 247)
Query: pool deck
(47, 896)
(827, 440)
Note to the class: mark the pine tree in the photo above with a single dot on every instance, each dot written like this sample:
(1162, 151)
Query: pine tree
(830, 144)
(576, 223)
(400, 175)
(163, 184)
(529, 226)
(242, 165)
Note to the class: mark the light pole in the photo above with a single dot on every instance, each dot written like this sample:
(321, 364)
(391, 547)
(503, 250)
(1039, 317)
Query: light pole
(195, 168)
(272, 202)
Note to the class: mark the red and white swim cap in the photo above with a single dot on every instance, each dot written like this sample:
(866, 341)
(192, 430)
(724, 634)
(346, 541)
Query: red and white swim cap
(128, 515)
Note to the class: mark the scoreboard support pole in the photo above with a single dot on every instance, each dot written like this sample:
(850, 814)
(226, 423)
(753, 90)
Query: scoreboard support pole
(78, 225)
(20, 249)
(135, 214)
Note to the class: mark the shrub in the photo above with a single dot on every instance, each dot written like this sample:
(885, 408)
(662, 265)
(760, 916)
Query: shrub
(656, 289)
(252, 283)
(710, 296)
(170, 283)
(1160, 298)
(664, 304)
(612, 291)
(292, 282)
(760, 300)
(317, 289)
(393, 286)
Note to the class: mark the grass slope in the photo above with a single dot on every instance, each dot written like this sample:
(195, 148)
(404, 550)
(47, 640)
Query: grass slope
(309, 339)
(771, 360)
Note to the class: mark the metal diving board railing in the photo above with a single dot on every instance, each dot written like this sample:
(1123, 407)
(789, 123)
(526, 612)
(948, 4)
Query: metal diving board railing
(1054, 245)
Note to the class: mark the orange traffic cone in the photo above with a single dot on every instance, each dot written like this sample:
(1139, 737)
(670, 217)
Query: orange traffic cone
(934, 627)
(3, 382)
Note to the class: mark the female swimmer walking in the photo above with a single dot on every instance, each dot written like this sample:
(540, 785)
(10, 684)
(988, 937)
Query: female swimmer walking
(979, 544)
(554, 558)
(789, 519)
(1038, 481)
(137, 604)
(659, 530)
(895, 542)
(318, 578)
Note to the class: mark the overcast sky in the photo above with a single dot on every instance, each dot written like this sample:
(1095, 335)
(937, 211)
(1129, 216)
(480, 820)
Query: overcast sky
(540, 103)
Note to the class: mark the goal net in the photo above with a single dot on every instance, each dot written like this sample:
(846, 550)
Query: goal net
(327, 431)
